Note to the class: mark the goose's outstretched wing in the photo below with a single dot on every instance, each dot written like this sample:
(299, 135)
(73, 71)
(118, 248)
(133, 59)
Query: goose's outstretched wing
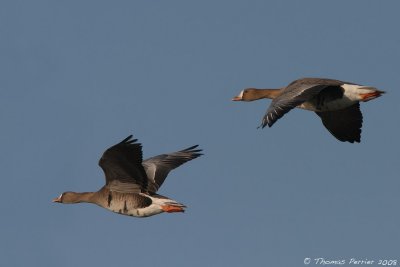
(122, 166)
(344, 124)
(295, 94)
(158, 167)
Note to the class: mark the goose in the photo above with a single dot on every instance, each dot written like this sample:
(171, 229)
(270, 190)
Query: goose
(131, 184)
(337, 103)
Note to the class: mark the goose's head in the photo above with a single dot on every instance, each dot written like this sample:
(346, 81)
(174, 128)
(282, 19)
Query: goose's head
(248, 94)
(67, 198)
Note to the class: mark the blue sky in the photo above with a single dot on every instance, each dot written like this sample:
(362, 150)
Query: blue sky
(79, 76)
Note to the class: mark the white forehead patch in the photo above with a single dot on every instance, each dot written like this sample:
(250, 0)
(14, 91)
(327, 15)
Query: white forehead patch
(241, 94)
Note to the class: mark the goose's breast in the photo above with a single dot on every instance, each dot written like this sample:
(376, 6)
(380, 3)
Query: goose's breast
(316, 104)
(137, 205)
(334, 98)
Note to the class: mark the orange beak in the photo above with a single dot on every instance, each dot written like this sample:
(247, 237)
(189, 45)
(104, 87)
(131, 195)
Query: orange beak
(237, 98)
(58, 199)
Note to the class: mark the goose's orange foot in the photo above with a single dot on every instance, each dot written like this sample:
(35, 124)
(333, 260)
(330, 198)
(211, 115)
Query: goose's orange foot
(169, 209)
(369, 96)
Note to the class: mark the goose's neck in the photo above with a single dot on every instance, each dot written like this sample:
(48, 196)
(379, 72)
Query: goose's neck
(74, 197)
(264, 93)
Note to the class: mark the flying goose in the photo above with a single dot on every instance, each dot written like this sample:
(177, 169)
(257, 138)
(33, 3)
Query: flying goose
(335, 102)
(131, 184)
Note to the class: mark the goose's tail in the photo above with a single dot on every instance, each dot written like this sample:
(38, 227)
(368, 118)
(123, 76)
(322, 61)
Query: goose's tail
(168, 205)
(372, 94)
